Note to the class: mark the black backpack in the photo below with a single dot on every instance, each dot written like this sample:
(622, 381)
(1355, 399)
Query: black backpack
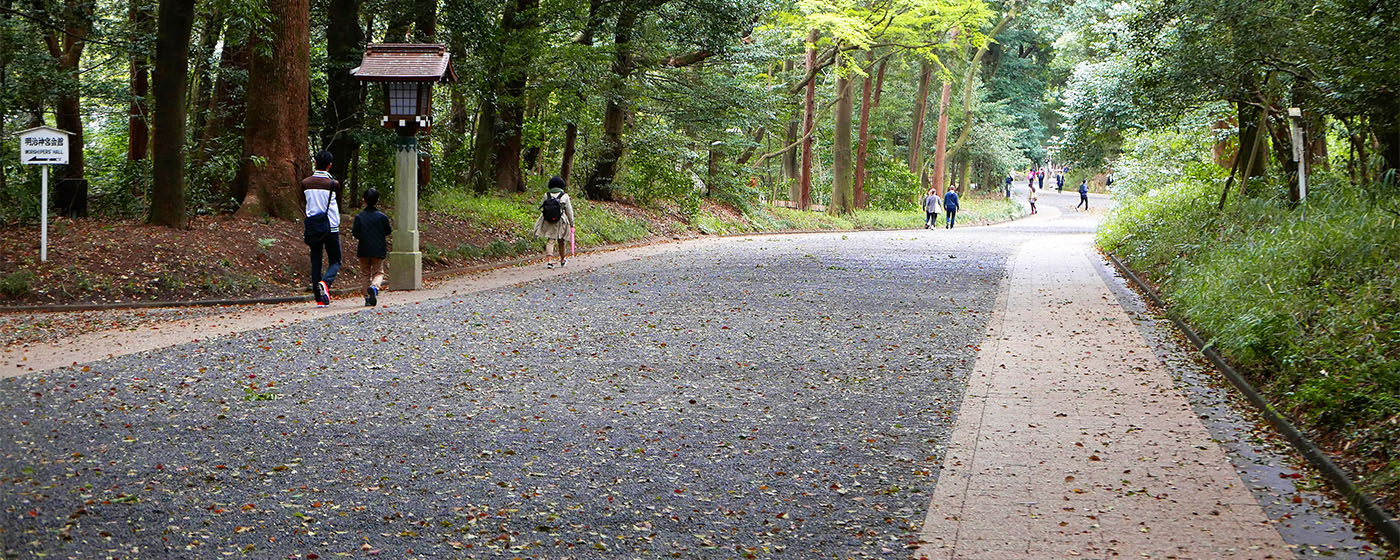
(550, 209)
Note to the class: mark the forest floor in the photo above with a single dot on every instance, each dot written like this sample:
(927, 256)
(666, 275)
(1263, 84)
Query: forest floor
(101, 260)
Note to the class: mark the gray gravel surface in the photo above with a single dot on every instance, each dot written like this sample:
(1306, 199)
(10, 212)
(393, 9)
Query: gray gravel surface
(778, 397)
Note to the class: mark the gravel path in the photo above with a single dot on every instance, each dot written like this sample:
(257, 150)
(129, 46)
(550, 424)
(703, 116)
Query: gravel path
(780, 396)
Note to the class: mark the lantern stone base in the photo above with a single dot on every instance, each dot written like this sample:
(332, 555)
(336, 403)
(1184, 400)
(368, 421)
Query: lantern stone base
(405, 271)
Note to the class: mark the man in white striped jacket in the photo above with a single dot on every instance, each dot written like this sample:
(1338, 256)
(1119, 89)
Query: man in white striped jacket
(322, 194)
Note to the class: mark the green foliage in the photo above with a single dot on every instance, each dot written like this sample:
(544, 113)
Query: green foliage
(1306, 300)
(890, 185)
(17, 284)
(655, 168)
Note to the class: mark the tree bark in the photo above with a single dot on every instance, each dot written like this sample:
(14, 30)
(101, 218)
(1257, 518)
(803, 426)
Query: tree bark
(566, 166)
(916, 136)
(481, 176)
(276, 129)
(879, 84)
(345, 96)
(940, 142)
(842, 199)
(66, 48)
(809, 119)
(454, 142)
(518, 23)
(790, 166)
(863, 138)
(138, 131)
(599, 184)
(1250, 136)
(424, 20)
(176, 20)
(213, 29)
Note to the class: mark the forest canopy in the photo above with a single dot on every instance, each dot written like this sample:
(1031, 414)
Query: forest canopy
(181, 107)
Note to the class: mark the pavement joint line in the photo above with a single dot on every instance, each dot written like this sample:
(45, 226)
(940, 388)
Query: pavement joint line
(1386, 524)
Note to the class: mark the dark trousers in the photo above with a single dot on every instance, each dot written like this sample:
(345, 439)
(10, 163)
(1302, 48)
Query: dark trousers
(951, 213)
(330, 243)
(1083, 201)
(930, 218)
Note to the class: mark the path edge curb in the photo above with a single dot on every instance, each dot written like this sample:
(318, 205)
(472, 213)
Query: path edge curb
(1385, 524)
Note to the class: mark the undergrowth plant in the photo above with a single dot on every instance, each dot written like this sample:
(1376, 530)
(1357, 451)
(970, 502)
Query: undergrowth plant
(1305, 300)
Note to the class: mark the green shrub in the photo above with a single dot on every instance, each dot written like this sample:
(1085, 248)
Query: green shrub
(1305, 300)
(17, 284)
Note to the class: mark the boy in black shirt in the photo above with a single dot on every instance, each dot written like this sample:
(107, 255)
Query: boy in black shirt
(372, 229)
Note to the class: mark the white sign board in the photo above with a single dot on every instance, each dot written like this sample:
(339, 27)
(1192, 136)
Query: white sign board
(43, 146)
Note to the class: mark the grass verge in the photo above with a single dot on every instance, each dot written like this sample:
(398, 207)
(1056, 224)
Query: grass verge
(1305, 301)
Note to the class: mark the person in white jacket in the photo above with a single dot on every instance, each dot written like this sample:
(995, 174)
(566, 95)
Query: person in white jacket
(933, 206)
(556, 221)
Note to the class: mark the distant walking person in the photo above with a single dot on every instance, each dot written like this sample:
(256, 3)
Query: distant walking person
(372, 229)
(1031, 199)
(1083, 195)
(1040, 179)
(1008, 184)
(950, 205)
(322, 231)
(1059, 182)
(933, 206)
(556, 221)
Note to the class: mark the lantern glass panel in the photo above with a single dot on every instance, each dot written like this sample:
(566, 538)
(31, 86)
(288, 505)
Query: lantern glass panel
(403, 98)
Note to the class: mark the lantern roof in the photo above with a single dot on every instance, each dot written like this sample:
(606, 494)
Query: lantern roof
(400, 62)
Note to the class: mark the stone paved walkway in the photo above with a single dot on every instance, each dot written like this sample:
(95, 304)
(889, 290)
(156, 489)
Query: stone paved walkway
(1072, 441)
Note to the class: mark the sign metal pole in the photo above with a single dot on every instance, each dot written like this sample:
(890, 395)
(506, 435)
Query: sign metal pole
(44, 215)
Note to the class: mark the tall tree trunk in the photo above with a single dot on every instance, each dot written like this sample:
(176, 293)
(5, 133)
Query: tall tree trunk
(212, 31)
(482, 175)
(343, 114)
(424, 20)
(175, 22)
(879, 84)
(599, 184)
(453, 143)
(518, 22)
(809, 120)
(916, 136)
(842, 199)
(66, 48)
(863, 138)
(940, 141)
(138, 131)
(276, 130)
(223, 133)
(789, 158)
(1250, 137)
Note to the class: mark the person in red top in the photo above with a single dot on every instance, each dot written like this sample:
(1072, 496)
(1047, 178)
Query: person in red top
(322, 202)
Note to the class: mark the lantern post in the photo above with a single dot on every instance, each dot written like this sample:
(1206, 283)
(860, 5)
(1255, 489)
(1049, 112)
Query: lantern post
(407, 73)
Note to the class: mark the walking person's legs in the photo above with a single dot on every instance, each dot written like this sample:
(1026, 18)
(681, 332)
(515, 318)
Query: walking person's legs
(316, 248)
(951, 215)
(333, 257)
(550, 245)
(562, 254)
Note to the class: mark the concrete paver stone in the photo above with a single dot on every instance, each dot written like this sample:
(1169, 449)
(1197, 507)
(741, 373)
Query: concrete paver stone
(1072, 442)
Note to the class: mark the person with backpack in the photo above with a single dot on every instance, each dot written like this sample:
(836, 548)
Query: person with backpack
(950, 204)
(1059, 182)
(1083, 195)
(372, 229)
(322, 226)
(933, 205)
(556, 221)
(1040, 179)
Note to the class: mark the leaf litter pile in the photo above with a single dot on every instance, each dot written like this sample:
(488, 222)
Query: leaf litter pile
(772, 398)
